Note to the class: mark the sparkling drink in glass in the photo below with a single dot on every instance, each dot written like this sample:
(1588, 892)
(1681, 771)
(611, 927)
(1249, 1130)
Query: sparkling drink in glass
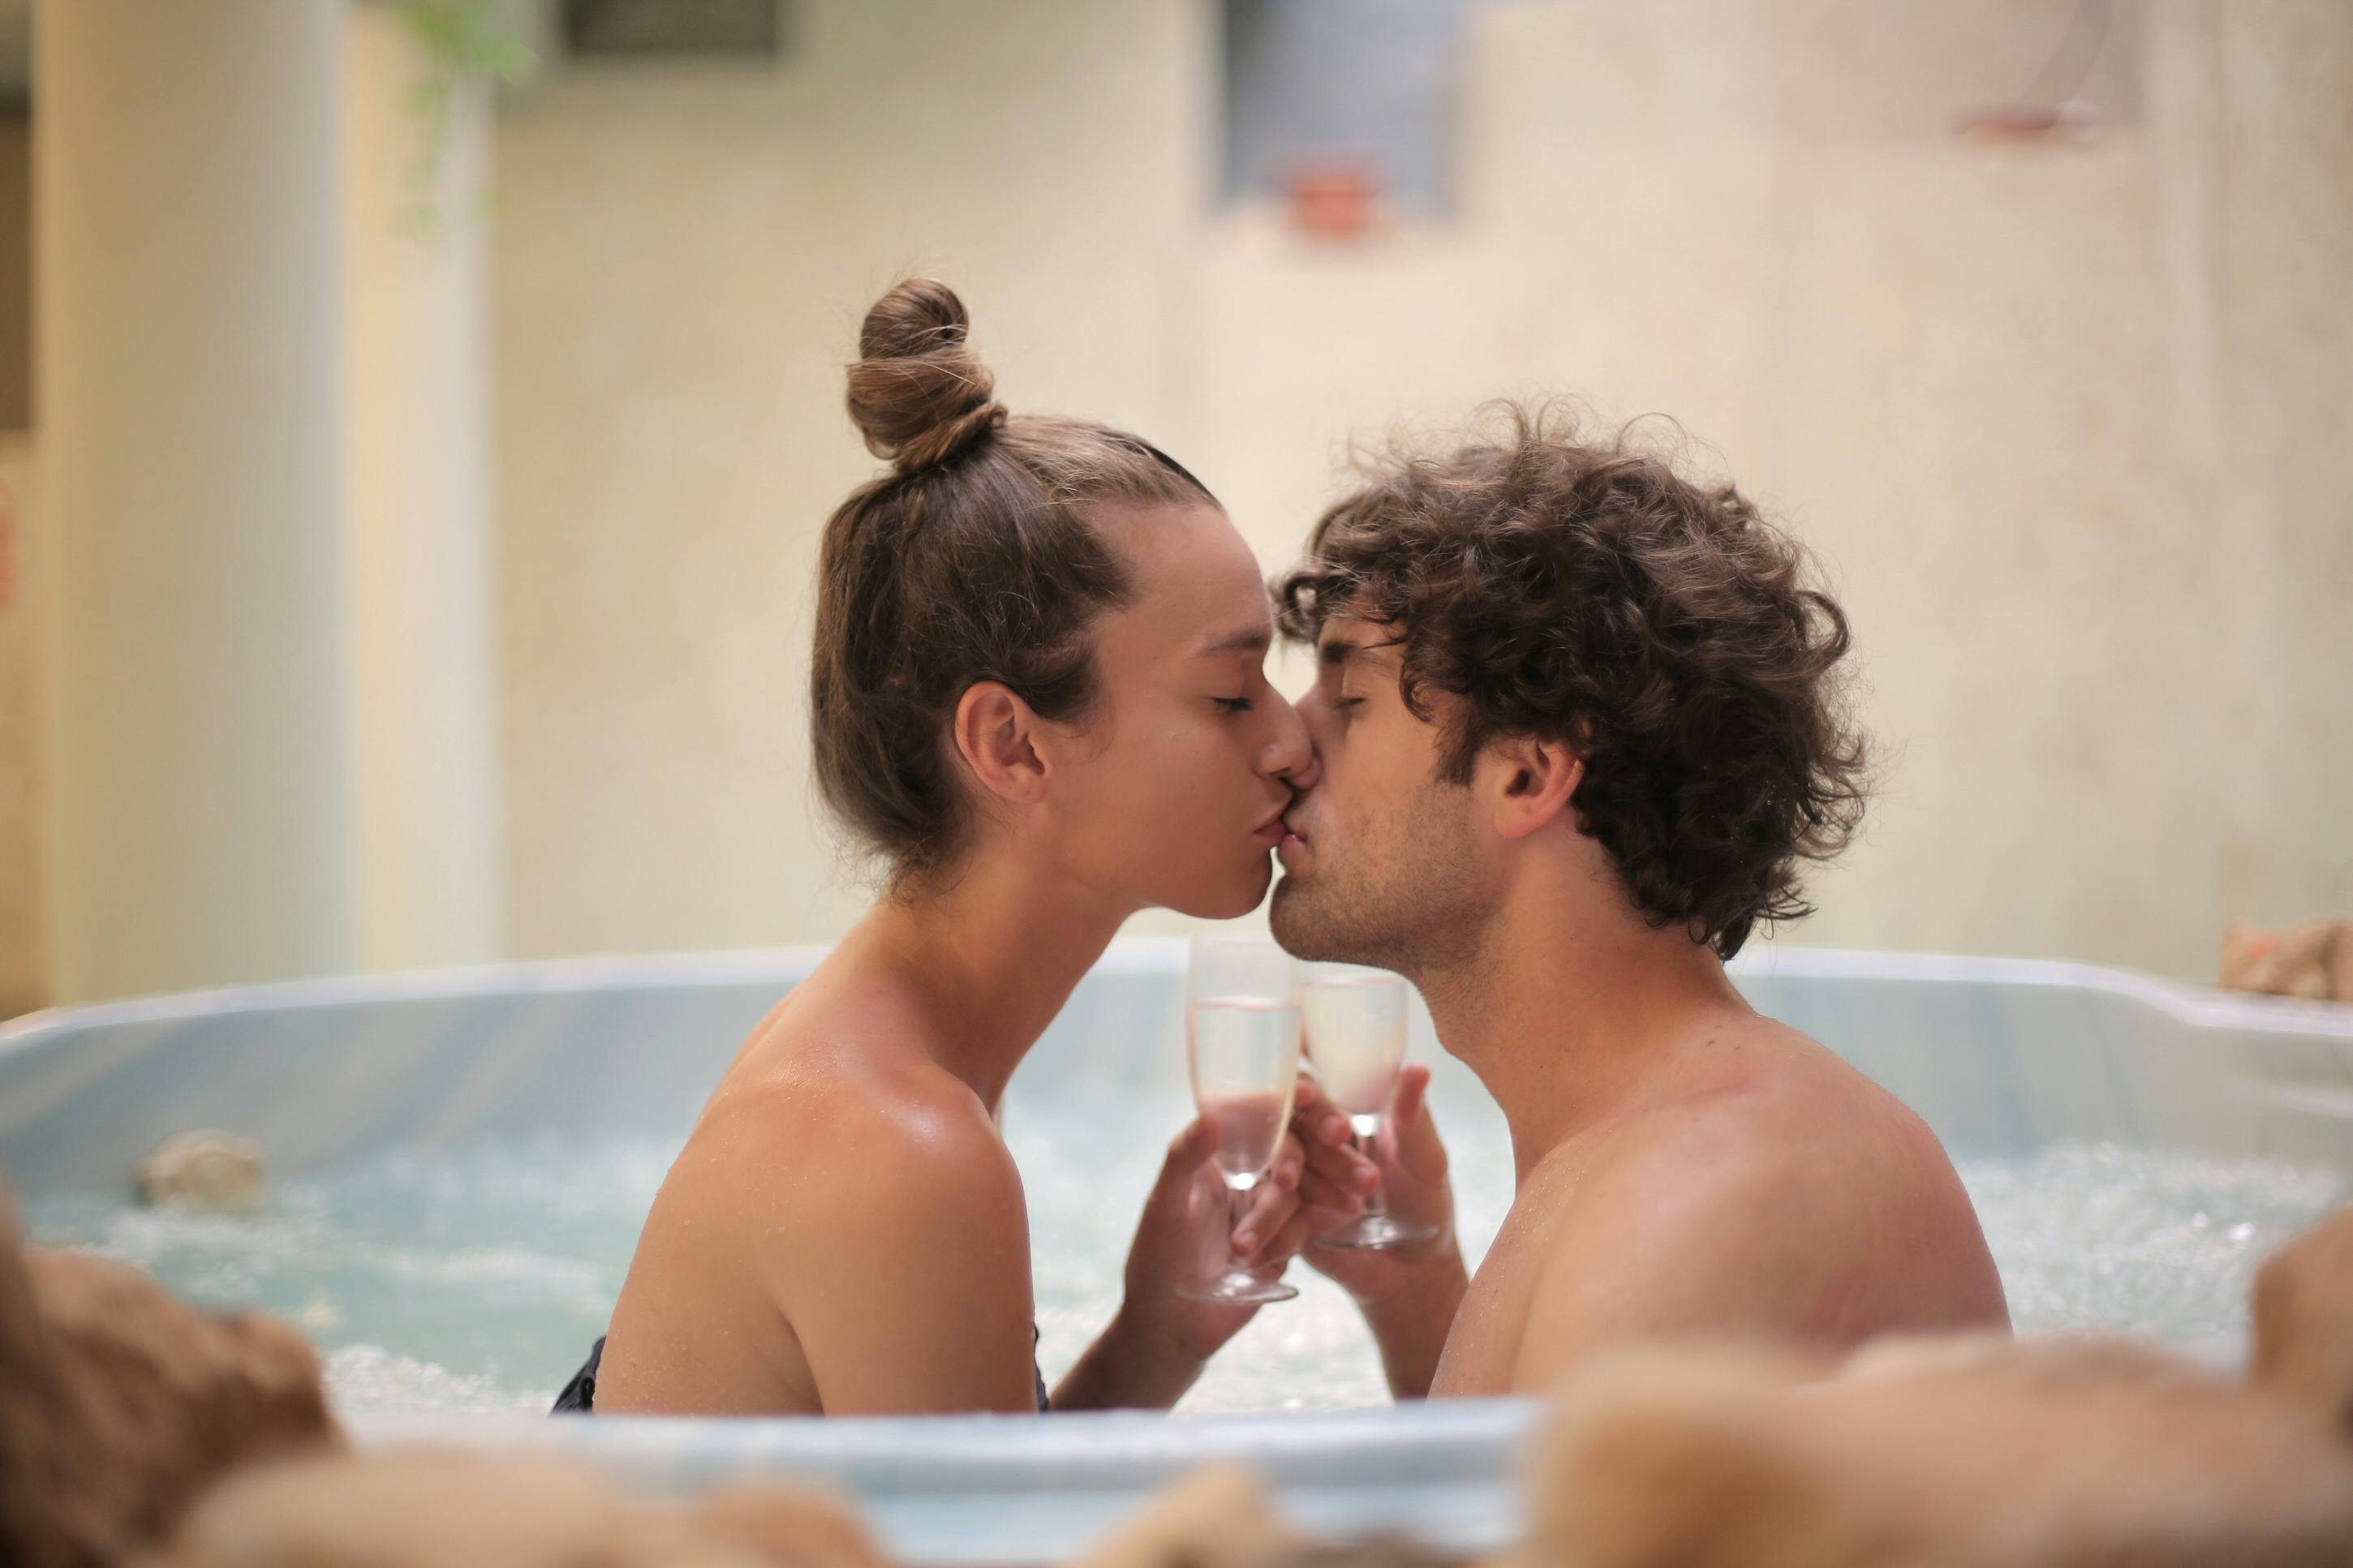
(1355, 1019)
(1241, 1037)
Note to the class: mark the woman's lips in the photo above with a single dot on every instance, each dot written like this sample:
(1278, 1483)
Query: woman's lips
(1271, 833)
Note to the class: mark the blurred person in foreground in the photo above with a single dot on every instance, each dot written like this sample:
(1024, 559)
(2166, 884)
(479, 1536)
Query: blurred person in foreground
(1580, 720)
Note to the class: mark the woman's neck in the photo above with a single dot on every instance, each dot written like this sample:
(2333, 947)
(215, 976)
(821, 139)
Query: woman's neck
(990, 960)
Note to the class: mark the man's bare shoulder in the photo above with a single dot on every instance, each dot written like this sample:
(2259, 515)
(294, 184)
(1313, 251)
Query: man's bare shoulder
(1798, 1200)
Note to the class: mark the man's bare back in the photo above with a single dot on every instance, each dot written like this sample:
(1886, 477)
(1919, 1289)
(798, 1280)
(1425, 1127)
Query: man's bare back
(1749, 1185)
(1582, 723)
(1781, 1196)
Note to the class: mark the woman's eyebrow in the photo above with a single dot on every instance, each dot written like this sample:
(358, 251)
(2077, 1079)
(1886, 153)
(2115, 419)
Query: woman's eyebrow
(1242, 639)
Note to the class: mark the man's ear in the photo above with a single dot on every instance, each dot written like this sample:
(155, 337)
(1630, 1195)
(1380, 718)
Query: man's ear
(1536, 777)
(996, 734)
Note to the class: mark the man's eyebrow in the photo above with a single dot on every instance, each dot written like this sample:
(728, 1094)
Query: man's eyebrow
(1341, 650)
(1242, 639)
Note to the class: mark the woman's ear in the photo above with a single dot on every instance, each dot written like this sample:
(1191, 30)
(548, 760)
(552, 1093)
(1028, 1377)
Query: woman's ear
(995, 735)
(1536, 777)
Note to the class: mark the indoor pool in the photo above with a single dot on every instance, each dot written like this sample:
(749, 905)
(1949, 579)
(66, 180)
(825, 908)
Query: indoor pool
(459, 1163)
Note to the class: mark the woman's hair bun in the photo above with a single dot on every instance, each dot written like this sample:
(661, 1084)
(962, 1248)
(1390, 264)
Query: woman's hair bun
(917, 393)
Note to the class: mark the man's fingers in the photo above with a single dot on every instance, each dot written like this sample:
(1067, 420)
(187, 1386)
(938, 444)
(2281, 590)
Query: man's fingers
(1290, 1241)
(1320, 1190)
(1412, 1092)
(1270, 1210)
(1341, 1162)
(1316, 1118)
(1413, 1134)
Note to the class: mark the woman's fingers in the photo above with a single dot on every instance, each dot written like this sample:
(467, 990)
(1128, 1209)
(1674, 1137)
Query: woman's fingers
(1271, 1208)
(1290, 1159)
(1186, 1152)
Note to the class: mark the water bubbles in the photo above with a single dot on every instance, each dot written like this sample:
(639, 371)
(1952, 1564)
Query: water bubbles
(475, 1278)
(2153, 1242)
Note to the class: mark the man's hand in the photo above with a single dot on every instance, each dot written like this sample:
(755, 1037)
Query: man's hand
(1409, 1294)
(1408, 1168)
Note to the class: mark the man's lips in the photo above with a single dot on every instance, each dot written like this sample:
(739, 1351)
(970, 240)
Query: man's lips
(1291, 850)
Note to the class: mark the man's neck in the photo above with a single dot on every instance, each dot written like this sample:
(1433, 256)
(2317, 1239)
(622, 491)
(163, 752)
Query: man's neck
(1572, 1008)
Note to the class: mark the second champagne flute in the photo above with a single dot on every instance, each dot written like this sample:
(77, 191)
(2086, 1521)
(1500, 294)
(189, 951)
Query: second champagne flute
(1356, 1036)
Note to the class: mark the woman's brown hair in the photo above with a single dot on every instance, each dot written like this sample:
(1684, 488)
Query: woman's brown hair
(973, 559)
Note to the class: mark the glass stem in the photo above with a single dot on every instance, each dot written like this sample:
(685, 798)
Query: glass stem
(1237, 1204)
(1368, 1130)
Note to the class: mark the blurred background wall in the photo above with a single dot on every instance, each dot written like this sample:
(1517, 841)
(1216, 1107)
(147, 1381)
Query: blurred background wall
(2061, 408)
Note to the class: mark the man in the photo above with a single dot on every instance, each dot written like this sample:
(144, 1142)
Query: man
(1580, 723)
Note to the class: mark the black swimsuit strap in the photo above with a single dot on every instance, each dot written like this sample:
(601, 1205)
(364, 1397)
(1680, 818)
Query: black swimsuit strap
(579, 1395)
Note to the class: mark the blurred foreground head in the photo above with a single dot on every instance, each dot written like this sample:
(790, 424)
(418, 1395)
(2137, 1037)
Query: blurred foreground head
(119, 1404)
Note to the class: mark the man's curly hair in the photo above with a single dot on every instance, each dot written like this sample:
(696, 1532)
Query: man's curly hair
(1662, 628)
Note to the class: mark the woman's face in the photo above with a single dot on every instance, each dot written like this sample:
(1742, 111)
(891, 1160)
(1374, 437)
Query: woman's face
(1171, 793)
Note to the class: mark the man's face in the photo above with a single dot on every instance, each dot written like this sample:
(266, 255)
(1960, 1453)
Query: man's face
(1384, 867)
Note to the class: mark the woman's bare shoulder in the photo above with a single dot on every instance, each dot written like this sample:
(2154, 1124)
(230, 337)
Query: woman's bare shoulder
(844, 1104)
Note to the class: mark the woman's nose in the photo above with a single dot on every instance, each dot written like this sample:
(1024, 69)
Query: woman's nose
(1289, 754)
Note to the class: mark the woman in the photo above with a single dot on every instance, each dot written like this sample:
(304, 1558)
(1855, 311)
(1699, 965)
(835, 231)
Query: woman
(1038, 697)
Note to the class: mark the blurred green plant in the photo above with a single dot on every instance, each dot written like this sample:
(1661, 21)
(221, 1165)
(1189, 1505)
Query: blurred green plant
(464, 47)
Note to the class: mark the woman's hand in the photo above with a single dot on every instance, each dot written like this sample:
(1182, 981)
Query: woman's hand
(1157, 1345)
(1184, 1238)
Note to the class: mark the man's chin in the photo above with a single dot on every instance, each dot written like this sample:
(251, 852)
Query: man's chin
(1292, 917)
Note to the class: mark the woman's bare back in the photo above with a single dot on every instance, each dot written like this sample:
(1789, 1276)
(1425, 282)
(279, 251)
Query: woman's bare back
(797, 1259)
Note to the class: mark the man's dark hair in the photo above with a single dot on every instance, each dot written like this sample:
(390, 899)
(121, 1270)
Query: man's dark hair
(1662, 628)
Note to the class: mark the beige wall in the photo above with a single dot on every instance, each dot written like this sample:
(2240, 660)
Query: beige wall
(683, 255)
(408, 653)
(20, 884)
(2063, 422)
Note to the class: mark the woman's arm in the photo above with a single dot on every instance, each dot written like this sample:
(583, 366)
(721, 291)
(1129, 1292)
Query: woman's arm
(1158, 1342)
(909, 1290)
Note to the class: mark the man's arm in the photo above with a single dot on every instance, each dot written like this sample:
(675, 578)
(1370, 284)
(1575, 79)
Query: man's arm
(1410, 1295)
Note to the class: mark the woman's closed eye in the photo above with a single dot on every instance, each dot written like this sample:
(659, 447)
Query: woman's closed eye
(1233, 704)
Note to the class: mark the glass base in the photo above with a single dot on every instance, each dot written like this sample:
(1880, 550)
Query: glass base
(1239, 1288)
(1376, 1232)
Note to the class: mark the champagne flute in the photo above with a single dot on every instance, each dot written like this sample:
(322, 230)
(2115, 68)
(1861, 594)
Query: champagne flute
(1355, 1039)
(1241, 1039)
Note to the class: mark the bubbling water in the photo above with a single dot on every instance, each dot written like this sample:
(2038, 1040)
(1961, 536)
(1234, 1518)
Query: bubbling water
(474, 1278)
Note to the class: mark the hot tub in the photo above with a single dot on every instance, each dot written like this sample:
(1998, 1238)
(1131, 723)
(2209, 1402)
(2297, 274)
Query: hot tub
(460, 1159)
